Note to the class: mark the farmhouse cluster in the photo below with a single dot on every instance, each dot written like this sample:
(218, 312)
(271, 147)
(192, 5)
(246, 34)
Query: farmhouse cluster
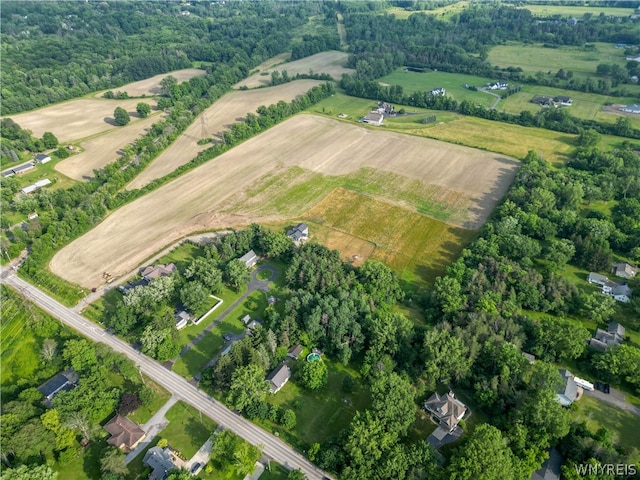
(557, 101)
(376, 117)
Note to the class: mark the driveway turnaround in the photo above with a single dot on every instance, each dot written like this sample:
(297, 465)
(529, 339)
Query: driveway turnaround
(272, 446)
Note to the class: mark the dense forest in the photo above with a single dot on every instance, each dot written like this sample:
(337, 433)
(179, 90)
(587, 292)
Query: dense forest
(53, 51)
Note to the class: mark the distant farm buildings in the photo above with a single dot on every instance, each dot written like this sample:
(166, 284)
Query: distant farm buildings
(635, 109)
(545, 101)
(373, 118)
(35, 186)
(438, 92)
(498, 85)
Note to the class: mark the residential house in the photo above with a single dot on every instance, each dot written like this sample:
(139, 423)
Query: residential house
(299, 233)
(161, 461)
(572, 21)
(253, 324)
(597, 279)
(279, 377)
(250, 258)
(498, 85)
(438, 91)
(542, 100)
(569, 392)
(62, 382)
(611, 337)
(294, 352)
(246, 319)
(32, 216)
(182, 319)
(530, 357)
(563, 100)
(551, 468)
(608, 287)
(621, 293)
(374, 118)
(446, 409)
(152, 272)
(42, 158)
(125, 434)
(386, 108)
(627, 109)
(624, 270)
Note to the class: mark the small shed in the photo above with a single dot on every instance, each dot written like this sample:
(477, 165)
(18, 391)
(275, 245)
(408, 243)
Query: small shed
(250, 258)
(295, 352)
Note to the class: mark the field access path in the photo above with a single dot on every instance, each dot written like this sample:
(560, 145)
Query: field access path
(273, 447)
(254, 284)
(499, 97)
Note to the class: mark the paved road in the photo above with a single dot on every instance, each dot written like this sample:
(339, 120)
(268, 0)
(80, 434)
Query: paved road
(273, 446)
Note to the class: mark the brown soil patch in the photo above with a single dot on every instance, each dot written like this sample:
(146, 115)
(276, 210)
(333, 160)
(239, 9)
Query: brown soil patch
(213, 121)
(76, 119)
(332, 63)
(151, 86)
(103, 149)
(193, 202)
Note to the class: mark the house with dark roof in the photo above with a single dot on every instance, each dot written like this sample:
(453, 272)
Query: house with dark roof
(597, 279)
(294, 352)
(563, 100)
(279, 377)
(250, 258)
(299, 233)
(384, 107)
(611, 337)
(446, 410)
(20, 169)
(621, 293)
(161, 461)
(152, 272)
(542, 100)
(125, 434)
(42, 158)
(63, 381)
(551, 468)
(569, 391)
(624, 270)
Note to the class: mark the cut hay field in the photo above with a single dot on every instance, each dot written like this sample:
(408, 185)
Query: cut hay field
(452, 82)
(534, 58)
(102, 149)
(151, 86)
(585, 105)
(445, 12)
(332, 63)
(77, 119)
(202, 198)
(416, 246)
(213, 121)
(576, 11)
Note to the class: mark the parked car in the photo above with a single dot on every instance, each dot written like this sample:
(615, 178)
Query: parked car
(195, 467)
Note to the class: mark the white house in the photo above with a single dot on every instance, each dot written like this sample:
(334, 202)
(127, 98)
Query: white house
(621, 293)
(438, 91)
(250, 258)
(374, 118)
(42, 158)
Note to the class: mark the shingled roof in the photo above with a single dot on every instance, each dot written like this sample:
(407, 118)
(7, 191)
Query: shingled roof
(125, 434)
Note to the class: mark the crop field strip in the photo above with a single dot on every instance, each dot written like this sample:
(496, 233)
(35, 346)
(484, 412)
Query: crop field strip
(151, 86)
(196, 200)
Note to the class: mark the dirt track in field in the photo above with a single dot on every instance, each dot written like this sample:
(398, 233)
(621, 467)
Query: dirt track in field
(103, 149)
(230, 108)
(151, 86)
(332, 63)
(76, 119)
(194, 201)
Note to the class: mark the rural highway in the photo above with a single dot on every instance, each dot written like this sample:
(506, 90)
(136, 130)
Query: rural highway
(272, 446)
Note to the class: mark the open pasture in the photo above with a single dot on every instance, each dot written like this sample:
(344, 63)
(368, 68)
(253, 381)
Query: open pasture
(536, 58)
(213, 121)
(101, 150)
(416, 246)
(332, 63)
(576, 11)
(151, 86)
(451, 82)
(196, 200)
(77, 119)
(446, 11)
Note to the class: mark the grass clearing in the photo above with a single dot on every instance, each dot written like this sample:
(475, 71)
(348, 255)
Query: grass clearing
(182, 255)
(577, 10)
(623, 426)
(445, 12)
(324, 413)
(212, 195)
(145, 412)
(453, 83)
(537, 58)
(419, 248)
(274, 471)
(188, 429)
(47, 170)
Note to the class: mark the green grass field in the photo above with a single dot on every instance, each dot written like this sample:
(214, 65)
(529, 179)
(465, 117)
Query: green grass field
(624, 427)
(274, 471)
(534, 58)
(585, 105)
(188, 430)
(182, 255)
(145, 412)
(452, 82)
(445, 12)
(576, 11)
(323, 413)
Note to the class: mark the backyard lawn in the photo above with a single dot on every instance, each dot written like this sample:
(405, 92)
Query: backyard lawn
(188, 429)
(145, 412)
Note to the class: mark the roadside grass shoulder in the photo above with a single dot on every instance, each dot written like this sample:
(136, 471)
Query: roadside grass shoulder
(145, 412)
(188, 429)
(274, 471)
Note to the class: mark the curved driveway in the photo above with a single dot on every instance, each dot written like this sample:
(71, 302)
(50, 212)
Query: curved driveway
(272, 446)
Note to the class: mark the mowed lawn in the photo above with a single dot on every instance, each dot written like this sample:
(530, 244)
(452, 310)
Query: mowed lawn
(323, 413)
(533, 58)
(585, 105)
(188, 429)
(452, 82)
(623, 426)
(419, 248)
